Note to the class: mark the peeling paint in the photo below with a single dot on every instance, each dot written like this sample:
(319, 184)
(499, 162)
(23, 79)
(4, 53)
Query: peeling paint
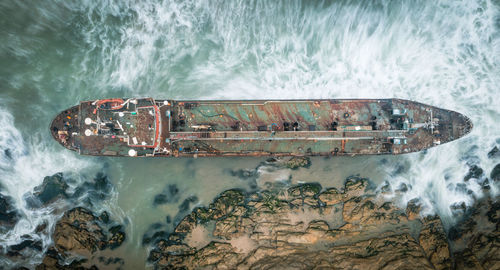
(255, 127)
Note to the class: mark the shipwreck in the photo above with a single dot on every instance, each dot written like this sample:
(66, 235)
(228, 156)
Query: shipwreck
(145, 127)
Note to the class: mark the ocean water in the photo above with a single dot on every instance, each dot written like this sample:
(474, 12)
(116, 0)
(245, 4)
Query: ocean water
(55, 53)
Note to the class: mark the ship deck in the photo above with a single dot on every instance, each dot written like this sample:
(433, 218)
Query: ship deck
(148, 127)
(290, 115)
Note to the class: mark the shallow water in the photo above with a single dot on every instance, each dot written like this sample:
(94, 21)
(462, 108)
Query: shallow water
(54, 54)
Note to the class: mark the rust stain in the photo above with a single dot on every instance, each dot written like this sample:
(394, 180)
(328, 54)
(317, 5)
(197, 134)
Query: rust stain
(149, 127)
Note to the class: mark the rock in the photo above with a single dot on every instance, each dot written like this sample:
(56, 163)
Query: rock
(108, 261)
(52, 261)
(98, 189)
(413, 208)
(458, 207)
(244, 174)
(117, 237)
(466, 260)
(304, 228)
(402, 188)
(169, 194)
(385, 188)
(155, 232)
(186, 204)
(331, 197)
(53, 188)
(153, 237)
(477, 237)
(474, 172)
(104, 217)
(355, 186)
(8, 153)
(160, 199)
(495, 173)
(493, 212)
(494, 153)
(77, 236)
(8, 214)
(297, 162)
(433, 240)
(101, 183)
(40, 228)
(225, 204)
(78, 231)
(15, 250)
(308, 191)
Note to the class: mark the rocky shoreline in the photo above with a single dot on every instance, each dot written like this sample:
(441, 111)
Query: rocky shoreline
(311, 227)
(77, 235)
(305, 226)
(302, 227)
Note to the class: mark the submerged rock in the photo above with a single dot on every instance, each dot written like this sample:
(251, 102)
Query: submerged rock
(104, 217)
(458, 207)
(54, 261)
(97, 189)
(56, 187)
(8, 214)
(474, 172)
(16, 250)
(53, 188)
(494, 153)
(186, 204)
(303, 228)
(495, 173)
(169, 194)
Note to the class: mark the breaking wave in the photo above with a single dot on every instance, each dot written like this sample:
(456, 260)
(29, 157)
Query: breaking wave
(23, 165)
(440, 53)
(443, 53)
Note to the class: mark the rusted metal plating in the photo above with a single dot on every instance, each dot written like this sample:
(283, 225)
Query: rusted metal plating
(148, 127)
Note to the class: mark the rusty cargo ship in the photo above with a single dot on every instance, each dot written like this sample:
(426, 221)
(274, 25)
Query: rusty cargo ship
(145, 127)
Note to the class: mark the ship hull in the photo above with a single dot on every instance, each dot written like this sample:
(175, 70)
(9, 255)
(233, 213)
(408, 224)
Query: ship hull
(197, 128)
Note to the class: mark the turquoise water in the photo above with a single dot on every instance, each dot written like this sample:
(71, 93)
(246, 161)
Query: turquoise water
(55, 53)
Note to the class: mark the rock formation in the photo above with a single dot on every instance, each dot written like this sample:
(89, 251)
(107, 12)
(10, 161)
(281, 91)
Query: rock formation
(477, 237)
(297, 162)
(8, 214)
(79, 234)
(304, 227)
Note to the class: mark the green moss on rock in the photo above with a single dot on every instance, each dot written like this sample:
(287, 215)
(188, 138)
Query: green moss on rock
(298, 162)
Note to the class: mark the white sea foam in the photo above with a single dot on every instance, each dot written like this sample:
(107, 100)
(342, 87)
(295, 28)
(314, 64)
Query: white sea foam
(439, 53)
(23, 165)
